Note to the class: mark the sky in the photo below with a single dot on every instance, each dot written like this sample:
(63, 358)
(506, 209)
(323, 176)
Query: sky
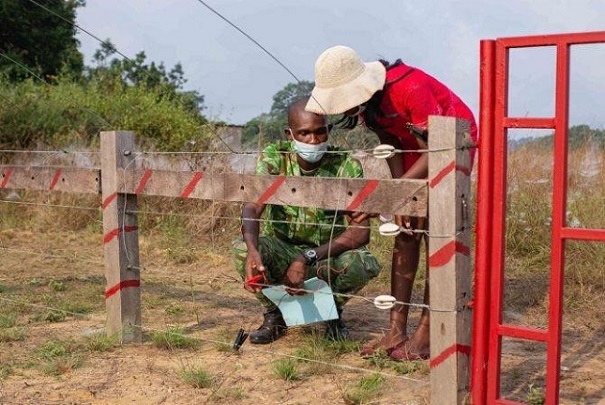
(238, 80)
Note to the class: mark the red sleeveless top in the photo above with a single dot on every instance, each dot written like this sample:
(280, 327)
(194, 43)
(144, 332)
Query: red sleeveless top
(411, 95)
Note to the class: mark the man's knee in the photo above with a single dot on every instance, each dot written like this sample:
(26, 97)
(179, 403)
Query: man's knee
(360, 266)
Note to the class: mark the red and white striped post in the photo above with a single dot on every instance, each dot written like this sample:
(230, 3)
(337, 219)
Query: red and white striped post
(120, 240)
(449, 259)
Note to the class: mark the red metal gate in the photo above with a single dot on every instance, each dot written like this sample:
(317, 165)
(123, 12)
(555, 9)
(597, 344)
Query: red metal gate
(489, 328)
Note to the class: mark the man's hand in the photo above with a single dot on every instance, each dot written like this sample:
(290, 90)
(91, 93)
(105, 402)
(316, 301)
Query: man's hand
(254, 267)
(295, 277)
(358, 217)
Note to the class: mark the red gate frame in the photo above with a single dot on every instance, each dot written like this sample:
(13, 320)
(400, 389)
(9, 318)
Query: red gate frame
(488, 328)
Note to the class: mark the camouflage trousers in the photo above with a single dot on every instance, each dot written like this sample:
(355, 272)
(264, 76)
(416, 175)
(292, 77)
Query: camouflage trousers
(346, 274)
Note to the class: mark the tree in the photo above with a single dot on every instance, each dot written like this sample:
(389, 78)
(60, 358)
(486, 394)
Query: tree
(292, 92)
(138, 72)
(270, 126)
(36, 38)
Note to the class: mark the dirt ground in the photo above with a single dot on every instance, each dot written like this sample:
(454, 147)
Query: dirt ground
(64, 270)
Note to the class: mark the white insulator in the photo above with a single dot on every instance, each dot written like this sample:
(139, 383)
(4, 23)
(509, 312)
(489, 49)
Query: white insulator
(383, 151)
(385, 301)
(385, 218)
(389, 229)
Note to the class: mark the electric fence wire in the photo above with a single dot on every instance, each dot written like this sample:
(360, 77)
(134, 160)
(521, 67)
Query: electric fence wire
(45, 254)
(286, 355)
(67, 152)
(238, 29)
(79, 315)
(227, 278)
(50, 205)
(244, 33)
(370, 152)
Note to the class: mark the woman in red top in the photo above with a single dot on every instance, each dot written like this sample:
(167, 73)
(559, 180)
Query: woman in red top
(392, 100)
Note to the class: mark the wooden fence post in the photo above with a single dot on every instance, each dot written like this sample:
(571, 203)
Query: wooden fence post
(449, 260)
(120, 240)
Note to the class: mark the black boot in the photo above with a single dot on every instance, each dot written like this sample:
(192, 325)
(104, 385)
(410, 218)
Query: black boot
(336, 329)
(272, 328)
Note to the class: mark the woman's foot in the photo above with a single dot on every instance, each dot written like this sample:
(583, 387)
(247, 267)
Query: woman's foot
(386, 343)
(415, 348)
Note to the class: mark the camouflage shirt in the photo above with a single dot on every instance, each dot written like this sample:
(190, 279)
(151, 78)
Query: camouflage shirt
(307, 226)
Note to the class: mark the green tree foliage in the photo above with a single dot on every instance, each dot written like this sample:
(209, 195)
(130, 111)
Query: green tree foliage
(137, 72)
(39, 40)
(269, 127)
(69, 114)
(114, 93)
(286, 96)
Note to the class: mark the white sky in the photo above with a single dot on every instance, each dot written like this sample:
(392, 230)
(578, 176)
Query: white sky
(238, 80)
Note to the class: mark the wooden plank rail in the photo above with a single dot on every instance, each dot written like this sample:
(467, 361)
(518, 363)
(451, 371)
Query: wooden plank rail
(393, 196)
(405, 197)
(66, 179)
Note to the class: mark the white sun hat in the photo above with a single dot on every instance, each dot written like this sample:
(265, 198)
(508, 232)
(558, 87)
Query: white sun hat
(343, 81)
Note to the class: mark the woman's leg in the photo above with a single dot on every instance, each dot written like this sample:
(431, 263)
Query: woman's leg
(406, 254)
(418, 345)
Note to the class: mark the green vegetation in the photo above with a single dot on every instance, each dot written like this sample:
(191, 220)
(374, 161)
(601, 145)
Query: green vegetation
(535, 396)
(60, 357)
(224, 340)
(197, 377)
(318, 353)
(100, 342)
(49, 98)
(286, 369)
(269, 127)
(365, 390)
(13, 334)
(172, 338)
(36, 38)
(69, 113)
(8, 320)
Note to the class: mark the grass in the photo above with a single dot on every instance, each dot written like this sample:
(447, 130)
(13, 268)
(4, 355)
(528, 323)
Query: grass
(197, 377)
(100, 342)
(535, 395)
(172, 338)
(5, 370)
(237, 393)
(224, 339)
(411, 367)
(286, 369)
(60, 357)
(366, 389)
(12, 334)
(319, 352)
(8, 320)
(528, 235)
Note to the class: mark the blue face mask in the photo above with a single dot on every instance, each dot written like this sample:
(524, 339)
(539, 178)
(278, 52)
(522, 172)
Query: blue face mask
(311, 153)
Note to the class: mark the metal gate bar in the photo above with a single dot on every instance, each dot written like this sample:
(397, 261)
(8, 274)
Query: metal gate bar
(491, 214)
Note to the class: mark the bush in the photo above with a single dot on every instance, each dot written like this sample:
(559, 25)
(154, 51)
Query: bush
(35, 114)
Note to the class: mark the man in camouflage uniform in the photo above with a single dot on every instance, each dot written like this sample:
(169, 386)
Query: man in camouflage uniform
(298, 243)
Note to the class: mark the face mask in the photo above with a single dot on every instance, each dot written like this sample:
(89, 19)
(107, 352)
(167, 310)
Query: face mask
(310, 152)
